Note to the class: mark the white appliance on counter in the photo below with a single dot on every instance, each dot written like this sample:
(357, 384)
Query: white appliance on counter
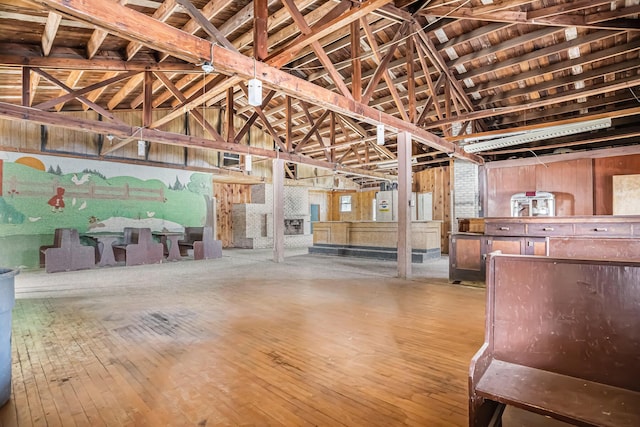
(533, 203)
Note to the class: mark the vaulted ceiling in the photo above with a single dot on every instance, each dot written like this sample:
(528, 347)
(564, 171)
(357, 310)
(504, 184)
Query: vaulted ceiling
(449, 72)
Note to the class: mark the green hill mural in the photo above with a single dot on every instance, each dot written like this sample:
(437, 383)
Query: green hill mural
(42, 193)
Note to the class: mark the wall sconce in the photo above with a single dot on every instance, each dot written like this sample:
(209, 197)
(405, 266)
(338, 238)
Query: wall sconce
(248, 163)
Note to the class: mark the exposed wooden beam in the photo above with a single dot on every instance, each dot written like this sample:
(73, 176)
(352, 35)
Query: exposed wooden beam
(80, 98)
(569, 20)
(260, 29)
(142, 28)
(75, 93)
(570, 95)
(313, 130)
(50, 31)
(161, 14)
(229, 116)
(386, 74)
(285, 54)
(197, 115)
(72, 80)
(561, 9)
(356, 63)
(123, 130)
(210, 11)
(26, 87)
(337, 78)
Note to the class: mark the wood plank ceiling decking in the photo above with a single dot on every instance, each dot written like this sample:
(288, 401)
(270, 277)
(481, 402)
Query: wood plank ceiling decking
(335, 69)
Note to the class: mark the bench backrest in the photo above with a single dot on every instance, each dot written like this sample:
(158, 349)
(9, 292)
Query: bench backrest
(129, 235)
(193, 234)
(574, 317)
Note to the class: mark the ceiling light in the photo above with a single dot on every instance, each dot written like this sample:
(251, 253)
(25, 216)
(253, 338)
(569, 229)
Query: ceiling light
(255, 92)
(380, 134)
(515, 138)
(142, 147)
(207, 67)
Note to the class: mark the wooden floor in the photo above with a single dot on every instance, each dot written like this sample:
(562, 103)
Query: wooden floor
(243, 341)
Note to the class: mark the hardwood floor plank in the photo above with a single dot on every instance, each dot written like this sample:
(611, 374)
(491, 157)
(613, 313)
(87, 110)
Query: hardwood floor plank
(242, 341)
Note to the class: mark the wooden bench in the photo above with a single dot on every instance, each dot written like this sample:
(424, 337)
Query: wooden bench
(562, 339)
(66, 253)
(201, 241)
(138, 247)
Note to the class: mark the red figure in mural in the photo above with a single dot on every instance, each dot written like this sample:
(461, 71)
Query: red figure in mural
(57, 202)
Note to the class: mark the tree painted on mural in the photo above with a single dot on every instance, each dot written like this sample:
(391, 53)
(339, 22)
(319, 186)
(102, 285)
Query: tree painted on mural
(9, 214)
(201, 184)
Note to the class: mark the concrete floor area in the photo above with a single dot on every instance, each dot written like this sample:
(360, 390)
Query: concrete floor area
(248, 264)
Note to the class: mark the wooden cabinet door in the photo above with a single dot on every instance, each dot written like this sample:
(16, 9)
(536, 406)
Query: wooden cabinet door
(506, 245)
(466, 257)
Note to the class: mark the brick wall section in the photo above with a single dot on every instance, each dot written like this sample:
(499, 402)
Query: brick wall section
(466, 203)
(253, 222)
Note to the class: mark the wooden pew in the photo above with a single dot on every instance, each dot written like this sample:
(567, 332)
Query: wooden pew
(562, 339)
(138, 247)
(67, 253)
(201, 240)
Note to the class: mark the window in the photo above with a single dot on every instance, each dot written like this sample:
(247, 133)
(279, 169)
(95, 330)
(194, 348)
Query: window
(345, 203)
(230, 159)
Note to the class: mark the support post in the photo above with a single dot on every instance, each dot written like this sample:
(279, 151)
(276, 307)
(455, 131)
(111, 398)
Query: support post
(404, 208)
(278, 210)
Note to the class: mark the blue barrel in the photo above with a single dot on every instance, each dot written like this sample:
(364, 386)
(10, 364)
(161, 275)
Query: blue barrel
(7, 301)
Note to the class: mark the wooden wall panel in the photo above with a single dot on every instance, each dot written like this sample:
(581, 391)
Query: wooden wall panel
(603, 171)
(570, 181)
(226, 196)
(164, 153)
(321, 198)
(72, 141)
(502, 183)
(361, 206)
(438, 182)
(19, 135)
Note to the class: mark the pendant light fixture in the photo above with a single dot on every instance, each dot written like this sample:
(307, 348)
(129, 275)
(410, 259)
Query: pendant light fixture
(255, 89)
(380, 131)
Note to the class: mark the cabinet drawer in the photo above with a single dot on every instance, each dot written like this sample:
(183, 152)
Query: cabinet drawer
(550, 229)
(603, 229)
(504, 229)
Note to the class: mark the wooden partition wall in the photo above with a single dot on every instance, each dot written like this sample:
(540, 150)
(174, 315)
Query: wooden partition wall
(226, 196)
(438, 182)
(582, 186)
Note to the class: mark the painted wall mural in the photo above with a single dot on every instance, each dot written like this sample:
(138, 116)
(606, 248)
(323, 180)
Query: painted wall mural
(40, 193)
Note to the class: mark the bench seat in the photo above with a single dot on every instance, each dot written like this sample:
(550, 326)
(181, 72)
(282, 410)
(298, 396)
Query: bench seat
(561, 340)
(566, 398)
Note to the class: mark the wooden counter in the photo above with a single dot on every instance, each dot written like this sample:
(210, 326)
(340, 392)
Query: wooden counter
(598, 237)
(377, 236)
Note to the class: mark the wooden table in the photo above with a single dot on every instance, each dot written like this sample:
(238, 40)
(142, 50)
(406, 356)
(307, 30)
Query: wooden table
(105, 240)
(169, 240)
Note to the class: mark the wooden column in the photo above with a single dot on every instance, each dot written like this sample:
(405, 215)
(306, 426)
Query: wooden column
(278, 210)
(404, 199)
(147, 105)
(260, 29)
